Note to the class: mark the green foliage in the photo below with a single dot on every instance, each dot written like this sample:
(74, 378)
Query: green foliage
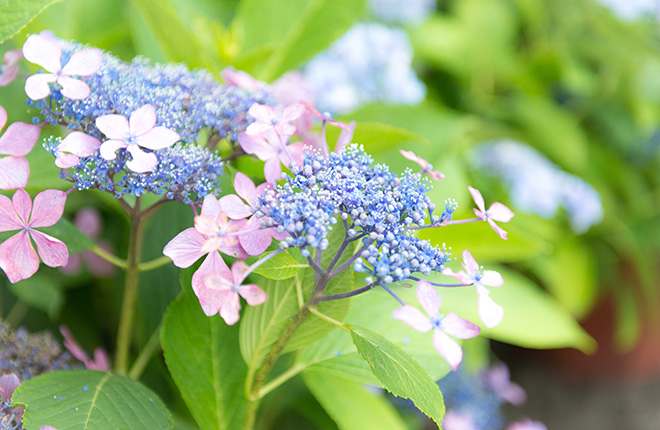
(399, 373)
(282, 266)
(40, 292)
(68, 233)
(203, 358)
(16, 14)
(88, 399)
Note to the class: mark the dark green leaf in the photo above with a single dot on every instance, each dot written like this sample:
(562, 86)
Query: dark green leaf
(68, 233)
(40, 292)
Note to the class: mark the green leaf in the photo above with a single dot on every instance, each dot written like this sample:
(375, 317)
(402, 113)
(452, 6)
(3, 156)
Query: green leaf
(282, 266)
(339, 398)
(88, 399)
(379, 137)
(16, 14)
(71, 235)
(40, 292)
(399, 373)
(203, 358)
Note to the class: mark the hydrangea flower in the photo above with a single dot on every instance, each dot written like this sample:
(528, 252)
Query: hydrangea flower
(267, 120)
(18, 258)
(424, 164)
(442, 325)
(220, 293)
(496, 212)
(456, 421)
(9, 67)
(75, 146)
(273, 150)
(134, 134)
(17, 141)
(490, 312)
(498, 379)
(47, 53)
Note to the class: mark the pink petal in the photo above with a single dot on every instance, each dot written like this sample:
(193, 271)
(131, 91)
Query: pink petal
(500, 232)
(96, 265)
(458, 327)
(346, 136)
(142, 161)
(19, 139)
(64, 161)
(142, 120)
(209, 298)
(205, 225)
(498, 212)
(499, 380)
(256, 145)
(211, 207)
(229, 308)
(80, 144)
(235, 207)
(491, 278)
(3, 117)
(231, 245)
(414, 157)
(110, 147)
(14, 173)
(8, 384)
(448, 348)
(22, 205)
(113, 126)
(42, 51)
(461, 276)
(101, 361)
(490, 312)
(285, 129)
(469, 263)
(429, 298)
(478, 199)
(53, 252)
(185, 248)
(72, 345)
(245, 188)
(18, 258)
(158, 138)
(262, 113)
(456, 421)
(253, 295)
(258, 129)
(413, 317)
(292, 112)
(237, 271)
(9, 68)
(36, 86)
(84, 63)
(436, 175)
(273, 170)
(255, 241)
(480, 214)
(241, 79)
(48, 208)
(72, 88)
(8, 218)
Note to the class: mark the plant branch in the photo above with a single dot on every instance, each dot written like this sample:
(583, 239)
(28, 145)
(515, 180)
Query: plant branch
(113, 259)
(346, 294)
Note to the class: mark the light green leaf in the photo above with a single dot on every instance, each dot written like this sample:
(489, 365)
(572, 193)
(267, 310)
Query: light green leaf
(203, 358)
(88, 400)
(16, 14)
(399, 373)
(282, 266)
(40, 292)
(339, 398)
(378, 137)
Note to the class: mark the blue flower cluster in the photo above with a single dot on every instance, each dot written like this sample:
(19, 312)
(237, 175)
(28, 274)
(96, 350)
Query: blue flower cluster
(185, 172)
(376, 206)
(411, 12)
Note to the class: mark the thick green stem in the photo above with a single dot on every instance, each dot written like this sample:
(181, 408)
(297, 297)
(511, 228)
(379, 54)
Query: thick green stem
(136, 231)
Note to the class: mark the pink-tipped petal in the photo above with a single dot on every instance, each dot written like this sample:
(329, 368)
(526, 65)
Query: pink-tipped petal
(469, 263)
(253, 295)
(256, 145)
(237, 271)
(79, 144)
(8, 384)
(14, 173)
(53, 252)
(478, 199)
(411, 156)
(210, 299)
(109, 148)
(8, 218)
(413, 317)
(262, 113)
(48, 208)
(142, 162)
(229, 311)
(436, 175)
(72, 88)
(84, 63)
(142, 120)
(499, 230)
(36, 86)
(490, 312)
(22, 205)
(185, 248)
(458, 327)
(101, 361)
(491, 278)
(498, 212)
(205, 225)
(44, 52)
(113, 126)
(273, 170)
(19, 139)
(158, 138)
(448, 348)
(18, 259)
(256, 240)
(461, 276)
(235, 207)
(429, 298)
(292, 112)
(245, 188)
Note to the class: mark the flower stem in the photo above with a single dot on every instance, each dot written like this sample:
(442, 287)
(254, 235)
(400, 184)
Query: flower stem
(136, 232)
(154, 264)
(113, 259)
(145, 355)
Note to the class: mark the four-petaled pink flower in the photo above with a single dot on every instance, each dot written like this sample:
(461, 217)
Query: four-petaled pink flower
(213, 232)
(219, 293)
(274, 151)
(424, 164)
(9, 67)
(496, 212)
(254, 239)
(75, 146)
(266, 120)
(451, 324)
(18, 258)
(490, 312)
(17, 141)
(41, 50)
(134, 134)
